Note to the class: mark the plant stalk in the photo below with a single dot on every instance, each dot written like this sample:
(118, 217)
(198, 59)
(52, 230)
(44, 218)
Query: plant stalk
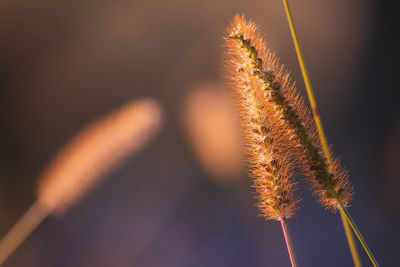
(21, 230)
(289, 243)
(350, 240)
(318, 122)
(307, 82)
(358, 233)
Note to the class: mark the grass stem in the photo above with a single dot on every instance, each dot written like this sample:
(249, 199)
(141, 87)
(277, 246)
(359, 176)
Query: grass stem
(307, 82)
(318, 122)
(21, 230)
(350, 240)
(358, 233)
(289, 243)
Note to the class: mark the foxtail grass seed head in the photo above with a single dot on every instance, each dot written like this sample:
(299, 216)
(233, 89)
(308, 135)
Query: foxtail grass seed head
(270, 165)
(252, 67)
(95, 151)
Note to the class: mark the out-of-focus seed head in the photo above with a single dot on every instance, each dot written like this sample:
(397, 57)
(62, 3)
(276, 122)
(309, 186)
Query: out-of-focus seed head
(94, 151)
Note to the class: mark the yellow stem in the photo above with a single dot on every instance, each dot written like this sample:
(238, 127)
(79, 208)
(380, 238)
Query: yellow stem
(350, 240)
(321, 132)
(21, 230)
(358, 233)
(306, 77)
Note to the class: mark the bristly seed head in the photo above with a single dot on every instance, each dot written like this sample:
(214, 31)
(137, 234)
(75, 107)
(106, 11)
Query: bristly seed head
(264, 81)
(270, 166)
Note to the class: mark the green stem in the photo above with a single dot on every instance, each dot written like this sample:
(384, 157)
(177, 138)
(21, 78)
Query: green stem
(318, 122)
(350, 240)
(307, 82)
(357, 232)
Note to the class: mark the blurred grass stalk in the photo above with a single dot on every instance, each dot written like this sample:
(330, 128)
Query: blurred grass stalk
(345, 215)
(31, 219)
(83, 162)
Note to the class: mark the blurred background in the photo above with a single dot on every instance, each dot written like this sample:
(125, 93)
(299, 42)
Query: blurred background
(185, 200)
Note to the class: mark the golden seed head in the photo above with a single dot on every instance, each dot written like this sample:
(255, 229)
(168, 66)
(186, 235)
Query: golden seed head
(253, 69)
(269, 164)
(96, 150)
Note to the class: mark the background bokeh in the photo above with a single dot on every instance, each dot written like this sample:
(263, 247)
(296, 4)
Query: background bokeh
(64, 63)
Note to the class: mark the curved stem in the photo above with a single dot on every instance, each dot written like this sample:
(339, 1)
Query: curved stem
(289, 243)
(358, 233)
(21, 230)
(318, 122)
